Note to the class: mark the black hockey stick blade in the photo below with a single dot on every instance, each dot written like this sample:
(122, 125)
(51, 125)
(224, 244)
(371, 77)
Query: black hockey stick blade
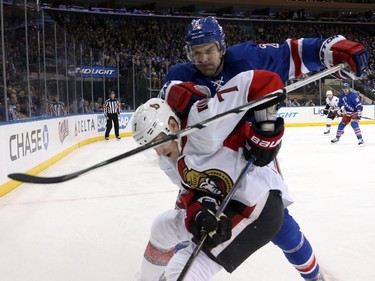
(49, 180)
(35, 179)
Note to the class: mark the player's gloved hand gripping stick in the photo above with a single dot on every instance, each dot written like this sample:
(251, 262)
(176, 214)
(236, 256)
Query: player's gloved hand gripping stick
(276, 95)
(218, 214)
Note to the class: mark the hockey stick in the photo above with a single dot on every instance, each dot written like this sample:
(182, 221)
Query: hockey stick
(367, 118)
(188, 130)
(219, 212)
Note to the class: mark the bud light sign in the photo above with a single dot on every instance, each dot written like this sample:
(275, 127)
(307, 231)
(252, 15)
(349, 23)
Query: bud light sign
(97, 71)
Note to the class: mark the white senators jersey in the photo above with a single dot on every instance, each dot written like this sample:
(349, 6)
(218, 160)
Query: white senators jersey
(169, 168)
(210, 163)
(333, 103)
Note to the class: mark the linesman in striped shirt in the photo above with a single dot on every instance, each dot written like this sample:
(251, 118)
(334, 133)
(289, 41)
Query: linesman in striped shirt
(111, 113)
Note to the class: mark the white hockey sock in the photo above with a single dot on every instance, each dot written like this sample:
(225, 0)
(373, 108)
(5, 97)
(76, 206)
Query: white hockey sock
(154, 263)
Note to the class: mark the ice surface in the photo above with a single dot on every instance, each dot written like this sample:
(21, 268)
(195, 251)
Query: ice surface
(95, 227)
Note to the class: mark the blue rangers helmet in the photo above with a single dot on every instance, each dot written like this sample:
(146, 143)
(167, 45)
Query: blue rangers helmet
(202, 31)
(345, 86)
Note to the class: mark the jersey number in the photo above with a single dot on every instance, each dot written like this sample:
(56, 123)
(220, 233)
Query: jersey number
(222, 92)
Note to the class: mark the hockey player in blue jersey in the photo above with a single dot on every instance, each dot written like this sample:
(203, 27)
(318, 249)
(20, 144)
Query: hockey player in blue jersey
(213, 64)
(351, 109)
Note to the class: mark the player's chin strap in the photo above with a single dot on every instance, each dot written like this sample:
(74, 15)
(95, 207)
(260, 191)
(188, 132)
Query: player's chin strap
(220, 64)
(219, 212)
(188, 130)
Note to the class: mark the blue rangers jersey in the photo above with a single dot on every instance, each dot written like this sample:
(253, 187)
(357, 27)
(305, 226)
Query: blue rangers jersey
(289, 60)
(350, 103)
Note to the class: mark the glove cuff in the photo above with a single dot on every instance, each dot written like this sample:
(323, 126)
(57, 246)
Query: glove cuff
(190, 214)
(181, 95)
(203, 204)
(279, 128)
(267, 140)
(326, 52)
(263, 146)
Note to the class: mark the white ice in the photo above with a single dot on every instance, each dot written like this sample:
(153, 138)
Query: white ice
(95, 227)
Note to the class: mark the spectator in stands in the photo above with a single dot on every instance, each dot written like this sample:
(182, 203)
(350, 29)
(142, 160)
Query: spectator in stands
(98, 105)
(24, 102)
(10, 69)
(87, 109)
(295, 102)
(161, 75)
(18, 115)
(155, 81)
(309, 103)
(79, 105)
(110, 35)
(12, 103)
(111, 61)
(288, 102)
(57, 107)
(2, 113)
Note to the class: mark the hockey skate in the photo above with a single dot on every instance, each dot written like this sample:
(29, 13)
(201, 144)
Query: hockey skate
(361, 142)
(335, 140)
(327, 132)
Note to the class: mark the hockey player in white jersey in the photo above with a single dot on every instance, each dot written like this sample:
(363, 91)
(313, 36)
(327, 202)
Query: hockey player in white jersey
(208, 163)
(331, 110)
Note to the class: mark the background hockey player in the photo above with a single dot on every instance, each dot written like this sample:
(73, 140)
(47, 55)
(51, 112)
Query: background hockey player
(209, 165)
(213, 64)
(331, 110)
(351, 110)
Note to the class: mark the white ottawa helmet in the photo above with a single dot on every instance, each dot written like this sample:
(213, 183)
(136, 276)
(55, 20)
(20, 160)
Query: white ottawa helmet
(329, 94)
(151, 119)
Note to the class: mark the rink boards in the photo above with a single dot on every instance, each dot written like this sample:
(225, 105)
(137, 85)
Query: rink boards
(32, 146)
(313, 115)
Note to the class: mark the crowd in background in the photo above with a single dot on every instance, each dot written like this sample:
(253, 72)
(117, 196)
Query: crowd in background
(150, 45)
(137, 39)
(164, 45)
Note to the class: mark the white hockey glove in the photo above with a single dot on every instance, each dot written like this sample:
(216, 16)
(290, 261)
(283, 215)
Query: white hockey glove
(342, 110)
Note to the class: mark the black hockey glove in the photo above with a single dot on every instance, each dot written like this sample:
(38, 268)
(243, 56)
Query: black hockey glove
(331, 114)
(263, 146)
(325, 111)
(200, 220)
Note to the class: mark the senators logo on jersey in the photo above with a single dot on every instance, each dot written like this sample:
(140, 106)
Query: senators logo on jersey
(212, 181)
